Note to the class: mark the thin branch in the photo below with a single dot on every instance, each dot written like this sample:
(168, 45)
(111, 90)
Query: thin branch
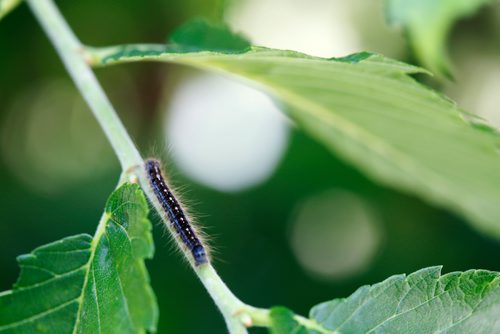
(230, 306)
(70, 50)
(238, 316)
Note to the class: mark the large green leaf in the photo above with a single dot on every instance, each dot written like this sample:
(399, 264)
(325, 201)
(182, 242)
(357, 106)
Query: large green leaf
(427, 24)
(367, 109)
(423, 302)
(89, 285)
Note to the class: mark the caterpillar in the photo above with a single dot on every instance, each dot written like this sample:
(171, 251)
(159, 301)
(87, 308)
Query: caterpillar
(176, 215)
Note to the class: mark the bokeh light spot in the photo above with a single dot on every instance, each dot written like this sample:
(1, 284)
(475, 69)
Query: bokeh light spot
(318, 27)
(51, 140)
(224, 134)
(335, 235)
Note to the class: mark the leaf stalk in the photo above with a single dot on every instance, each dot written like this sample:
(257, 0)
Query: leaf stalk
(77, 60)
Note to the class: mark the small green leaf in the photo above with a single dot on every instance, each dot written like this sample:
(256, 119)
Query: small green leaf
(427, 23)
(367, 109)
(89, 285)
(423, 302)
(201, 35)
(282, 322)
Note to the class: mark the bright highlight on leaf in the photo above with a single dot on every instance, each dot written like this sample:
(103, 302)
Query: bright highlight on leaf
(89, 285)
(6, 6)
(423, 302)
(367, 109)
(427, 24)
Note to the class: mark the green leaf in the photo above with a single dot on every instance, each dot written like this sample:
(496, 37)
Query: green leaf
(368, 110)
(283, 322)
(89, 285)
(200, 35)
(423, 302)
(427, 23)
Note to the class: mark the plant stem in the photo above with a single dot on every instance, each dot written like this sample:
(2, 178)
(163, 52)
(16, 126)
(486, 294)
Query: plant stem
(229, 305)
(70, 50)
(238, 316)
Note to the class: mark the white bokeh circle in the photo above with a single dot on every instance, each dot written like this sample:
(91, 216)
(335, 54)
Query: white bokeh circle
(335, 235)
(224, 134)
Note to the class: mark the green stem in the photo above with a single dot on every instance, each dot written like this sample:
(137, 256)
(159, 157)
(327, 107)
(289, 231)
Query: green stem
(238, 316)
(262, 318)
(70, 50)
(229, 305)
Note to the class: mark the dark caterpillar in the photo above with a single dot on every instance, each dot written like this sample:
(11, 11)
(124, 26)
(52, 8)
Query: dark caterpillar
(174, 212)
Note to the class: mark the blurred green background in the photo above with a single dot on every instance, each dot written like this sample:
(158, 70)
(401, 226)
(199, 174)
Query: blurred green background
(290, 223)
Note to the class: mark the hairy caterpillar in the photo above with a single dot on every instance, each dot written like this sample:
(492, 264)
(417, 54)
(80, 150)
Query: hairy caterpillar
(172, 208)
